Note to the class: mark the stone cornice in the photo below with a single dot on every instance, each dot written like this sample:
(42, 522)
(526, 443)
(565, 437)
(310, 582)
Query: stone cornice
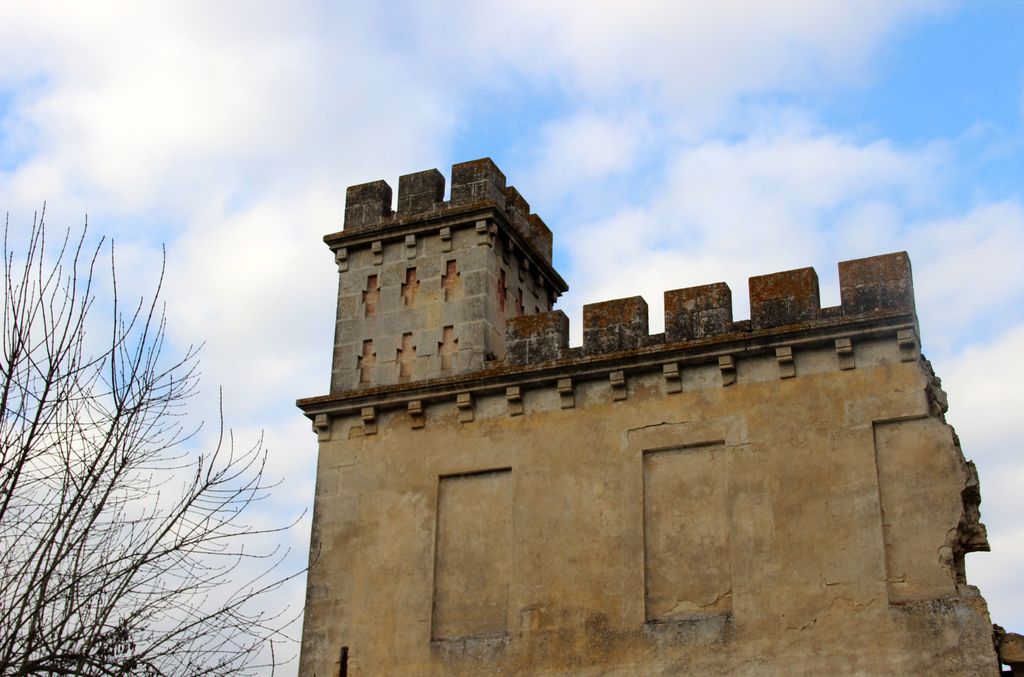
(651, 357)
(429, 223)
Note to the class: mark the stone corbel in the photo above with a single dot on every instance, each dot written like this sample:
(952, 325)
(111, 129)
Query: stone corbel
(727, 365)
(410, 246)
(369, 418)
(673, 379)
(322, 427)
(514, 395)
(464, 403)
(446, 239)
(416, 417)
(484, 233)
(618, 383)
(341, 258)
(784, 356)
(906, 339)
(377, 249)
(844, 352)
(566, 393)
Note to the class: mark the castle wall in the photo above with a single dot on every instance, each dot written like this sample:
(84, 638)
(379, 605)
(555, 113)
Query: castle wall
(774, 526)
(778, 495)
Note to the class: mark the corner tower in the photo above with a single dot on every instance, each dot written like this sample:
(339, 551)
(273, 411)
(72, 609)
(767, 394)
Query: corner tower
(426, 291)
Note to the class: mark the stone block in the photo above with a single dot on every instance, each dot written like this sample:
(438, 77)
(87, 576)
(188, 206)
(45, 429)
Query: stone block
(420, 192)
(784, 298)
(696, 312)
(367, 204)
(540, 237)
(611, 326)
(537, 338)
(876, 284)
(518, 211)
(476, 181)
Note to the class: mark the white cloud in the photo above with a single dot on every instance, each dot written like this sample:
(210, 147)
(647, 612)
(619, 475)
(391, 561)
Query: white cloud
(686, 58)
(587, 148)
(966, 272)
(154, 107)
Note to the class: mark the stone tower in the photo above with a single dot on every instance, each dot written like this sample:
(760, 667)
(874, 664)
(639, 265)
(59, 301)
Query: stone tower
(776, 495)
(427, 291)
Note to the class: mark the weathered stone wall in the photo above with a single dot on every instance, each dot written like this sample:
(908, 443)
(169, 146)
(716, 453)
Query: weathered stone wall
(774, 526)
(779, 495)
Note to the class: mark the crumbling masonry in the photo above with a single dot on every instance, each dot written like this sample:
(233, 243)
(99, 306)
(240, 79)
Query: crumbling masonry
(778, 495)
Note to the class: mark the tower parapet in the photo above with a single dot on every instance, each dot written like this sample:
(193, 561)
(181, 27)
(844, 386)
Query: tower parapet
(873, 288)
(427, 290)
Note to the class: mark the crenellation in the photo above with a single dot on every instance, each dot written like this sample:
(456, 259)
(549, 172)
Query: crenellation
(773, 495)
(540, 237)
(876, 284)
(830, 313)
(476, 181)
(367, 204)
(789, 297)
(518, 211)
(420, 192)
(612, 326)
(698, 312)
(537, 338)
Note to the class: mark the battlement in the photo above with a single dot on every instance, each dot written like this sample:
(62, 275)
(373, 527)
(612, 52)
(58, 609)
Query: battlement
(788, 300)
(773, 495)
(475, 184)
(441, 288)
(427, 290)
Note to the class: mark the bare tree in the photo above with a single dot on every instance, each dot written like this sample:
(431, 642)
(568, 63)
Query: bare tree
(121, 552)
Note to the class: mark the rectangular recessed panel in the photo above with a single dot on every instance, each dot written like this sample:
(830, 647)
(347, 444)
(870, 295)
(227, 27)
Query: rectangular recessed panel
(473, 554)
(687, 564)
(916, 517)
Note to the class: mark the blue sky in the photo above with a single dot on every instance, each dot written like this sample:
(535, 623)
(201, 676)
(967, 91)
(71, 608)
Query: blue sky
(667, 144)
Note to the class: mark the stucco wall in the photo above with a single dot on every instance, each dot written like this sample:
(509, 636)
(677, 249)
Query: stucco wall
(800, 525)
